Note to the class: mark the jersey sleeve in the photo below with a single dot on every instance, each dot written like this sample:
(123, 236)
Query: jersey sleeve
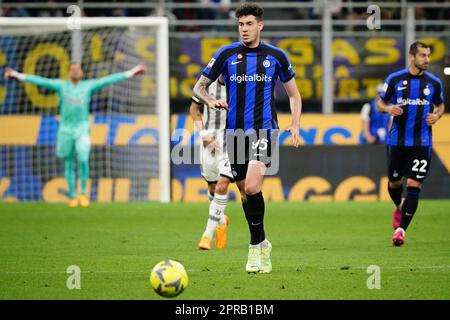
(286, 68)
(97, 84)
(52, 84)
(365, 112)
(215, 66)
(388, 90)
(196, 100)
(438, 96)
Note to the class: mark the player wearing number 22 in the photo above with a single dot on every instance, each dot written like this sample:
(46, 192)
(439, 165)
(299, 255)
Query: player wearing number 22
(414, 98)
(73, 135)
(250, 69)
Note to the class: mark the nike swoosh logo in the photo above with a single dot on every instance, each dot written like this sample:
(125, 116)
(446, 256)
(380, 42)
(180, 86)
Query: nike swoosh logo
(401, 88)
(235, 62)
(408, 214)
(256, 224)
(420, 177)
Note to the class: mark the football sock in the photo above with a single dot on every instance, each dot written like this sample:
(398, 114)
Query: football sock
(409, 206)
(216, 215)
(69, 173)
(255, 218)
(83, 171)
(244, 206)
(396, 194)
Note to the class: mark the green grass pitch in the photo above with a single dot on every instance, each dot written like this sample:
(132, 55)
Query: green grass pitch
(320, 251)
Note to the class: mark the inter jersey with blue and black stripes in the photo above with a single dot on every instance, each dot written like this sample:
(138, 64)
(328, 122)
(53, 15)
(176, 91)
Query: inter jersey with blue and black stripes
(250, 76)
(418, 95)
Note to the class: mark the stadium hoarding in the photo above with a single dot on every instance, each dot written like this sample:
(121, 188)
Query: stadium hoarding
(359, 62)
(329, 166)
(126, 129)
(321, 173)
(310, 173)
(49, 54)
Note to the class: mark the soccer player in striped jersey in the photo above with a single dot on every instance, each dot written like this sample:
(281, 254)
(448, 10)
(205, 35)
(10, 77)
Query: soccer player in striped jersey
(73, 136)
(414, 97)
(375, 124)
(250, 69)
(214, 162)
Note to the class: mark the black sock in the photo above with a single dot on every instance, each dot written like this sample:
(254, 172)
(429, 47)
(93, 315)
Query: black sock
(255, 217)
(396, 194)
(409, 206)
(244, 206)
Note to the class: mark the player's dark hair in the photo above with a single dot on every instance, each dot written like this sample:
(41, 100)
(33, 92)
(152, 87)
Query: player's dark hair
(414, 48)
(250, 9)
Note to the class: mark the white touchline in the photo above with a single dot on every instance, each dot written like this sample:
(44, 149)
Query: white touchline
(336, 268)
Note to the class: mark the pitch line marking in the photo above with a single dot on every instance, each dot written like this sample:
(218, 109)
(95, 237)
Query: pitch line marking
(89, 271)
(337, 268)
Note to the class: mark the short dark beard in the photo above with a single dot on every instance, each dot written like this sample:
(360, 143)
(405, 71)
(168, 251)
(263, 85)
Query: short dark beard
(420, 68)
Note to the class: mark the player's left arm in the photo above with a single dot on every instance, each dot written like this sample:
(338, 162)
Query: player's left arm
(295, 101)
(98, 84)
(439, 108)
(437, 113)
(208, 140)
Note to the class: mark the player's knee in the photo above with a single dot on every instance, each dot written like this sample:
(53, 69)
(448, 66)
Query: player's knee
(83, 161)
(221, 187)
(395, 184)
(252, 188)
(413, 183)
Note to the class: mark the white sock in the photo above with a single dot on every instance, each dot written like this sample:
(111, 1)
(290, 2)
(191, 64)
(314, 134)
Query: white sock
(216, 215)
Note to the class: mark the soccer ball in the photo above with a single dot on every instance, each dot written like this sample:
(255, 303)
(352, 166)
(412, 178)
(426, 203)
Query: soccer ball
(169, 278)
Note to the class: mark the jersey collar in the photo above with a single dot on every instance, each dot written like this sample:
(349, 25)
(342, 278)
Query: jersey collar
(249, 50)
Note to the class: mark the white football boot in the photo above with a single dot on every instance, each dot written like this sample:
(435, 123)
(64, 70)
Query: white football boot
(266, 264)
(253, 259)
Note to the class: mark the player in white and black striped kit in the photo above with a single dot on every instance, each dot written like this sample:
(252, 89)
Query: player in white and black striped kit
(214, 162)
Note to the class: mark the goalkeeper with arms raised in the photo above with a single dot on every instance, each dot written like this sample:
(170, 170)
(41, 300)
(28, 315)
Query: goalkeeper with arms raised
(74, 129)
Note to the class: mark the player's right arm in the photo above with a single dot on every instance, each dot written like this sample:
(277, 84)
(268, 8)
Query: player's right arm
(385, 96)
(365, 121)
(209, 74)
(52, 84)
(208, 140)
(393, 109)
(201, 92)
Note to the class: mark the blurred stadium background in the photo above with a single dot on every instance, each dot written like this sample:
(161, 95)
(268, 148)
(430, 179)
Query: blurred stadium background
(337, 58)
